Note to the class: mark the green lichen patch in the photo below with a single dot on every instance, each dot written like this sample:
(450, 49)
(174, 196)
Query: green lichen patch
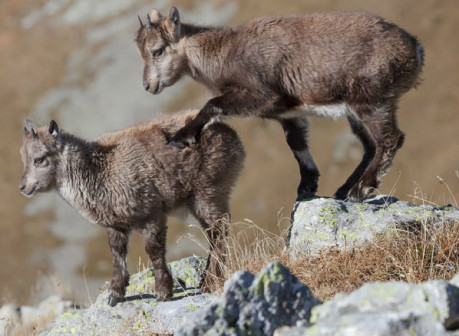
(192, 307)
(328, 215)
(268, 275)
(141, 283)
(188, 271)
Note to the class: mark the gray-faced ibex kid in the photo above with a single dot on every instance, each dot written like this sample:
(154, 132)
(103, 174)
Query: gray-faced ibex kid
(131, 179)
(336, 64)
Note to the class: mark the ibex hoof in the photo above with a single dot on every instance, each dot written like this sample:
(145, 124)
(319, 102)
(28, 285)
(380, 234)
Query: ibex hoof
(176, 144)
(178, 140)
(206, 285)
(181, 142)
(113, 300)
(163, 295)
(341, 195)
(305, 196)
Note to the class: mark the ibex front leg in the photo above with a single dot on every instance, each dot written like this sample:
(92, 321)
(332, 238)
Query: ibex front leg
(239, 103)
(118, 242)
(296, 133)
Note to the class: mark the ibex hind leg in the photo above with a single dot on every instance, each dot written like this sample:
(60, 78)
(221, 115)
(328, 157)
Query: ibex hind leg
(296, 134)
(382, 124)
(392, 141)
(376, 171)
(214, 217)
(377, 129)
(364, 134)
(154, 236)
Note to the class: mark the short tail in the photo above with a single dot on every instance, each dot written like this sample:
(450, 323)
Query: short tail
(420, 61)
(420, 55)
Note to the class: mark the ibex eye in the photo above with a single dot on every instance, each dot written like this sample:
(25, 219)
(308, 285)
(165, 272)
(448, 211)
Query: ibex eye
(39, 160)
(157, 52)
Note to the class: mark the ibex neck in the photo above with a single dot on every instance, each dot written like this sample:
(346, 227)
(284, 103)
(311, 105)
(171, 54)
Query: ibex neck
(206, 50)
(80, 179)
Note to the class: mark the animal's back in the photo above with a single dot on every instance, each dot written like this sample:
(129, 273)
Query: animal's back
(328, 55)
(328, 30)
(143, 153)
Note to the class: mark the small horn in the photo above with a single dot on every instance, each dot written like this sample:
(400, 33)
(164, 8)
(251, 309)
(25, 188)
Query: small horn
(148, 22)
(140, 22)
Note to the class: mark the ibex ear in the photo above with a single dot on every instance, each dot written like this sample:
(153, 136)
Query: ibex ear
(29, 128)
(155, 16)
(53, 128)
(173, 24)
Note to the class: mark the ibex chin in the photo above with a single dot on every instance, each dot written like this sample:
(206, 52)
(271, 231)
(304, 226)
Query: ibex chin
(131, 179)
(335, 64)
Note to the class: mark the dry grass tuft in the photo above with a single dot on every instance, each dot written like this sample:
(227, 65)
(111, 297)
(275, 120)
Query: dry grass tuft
(426, 251)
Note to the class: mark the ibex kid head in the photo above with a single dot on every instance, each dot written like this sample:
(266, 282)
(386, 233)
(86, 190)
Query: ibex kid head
(158, 45)
(39, 153)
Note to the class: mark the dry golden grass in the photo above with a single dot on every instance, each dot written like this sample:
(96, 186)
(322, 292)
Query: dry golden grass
(426, 251)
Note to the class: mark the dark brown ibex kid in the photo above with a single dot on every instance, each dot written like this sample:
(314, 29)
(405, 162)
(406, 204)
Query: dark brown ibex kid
(336, 64)
(131, 179)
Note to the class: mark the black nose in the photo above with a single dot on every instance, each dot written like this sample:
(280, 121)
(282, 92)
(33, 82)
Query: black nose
(146, 85)
(21, 186)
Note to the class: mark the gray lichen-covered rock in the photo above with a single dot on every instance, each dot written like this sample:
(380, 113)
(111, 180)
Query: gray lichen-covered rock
(386, 309)
(322, 223)
(254, 305)
(140, 313)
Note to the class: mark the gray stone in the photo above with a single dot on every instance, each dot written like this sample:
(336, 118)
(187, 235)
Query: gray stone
(323, 223)
(254, 305)
(455, 280)
(188, 271)
(14, 319)
(386, 309)
(140, 312)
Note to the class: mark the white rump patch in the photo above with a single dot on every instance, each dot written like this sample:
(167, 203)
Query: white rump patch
(334, 111)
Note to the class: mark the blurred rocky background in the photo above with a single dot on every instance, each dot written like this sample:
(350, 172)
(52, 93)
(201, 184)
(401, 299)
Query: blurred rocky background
(75, 61)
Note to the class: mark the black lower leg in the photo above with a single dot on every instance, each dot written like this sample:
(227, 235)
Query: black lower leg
(296, 133)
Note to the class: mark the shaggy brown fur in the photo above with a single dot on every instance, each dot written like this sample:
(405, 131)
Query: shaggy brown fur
(336, 64)
(131, 179)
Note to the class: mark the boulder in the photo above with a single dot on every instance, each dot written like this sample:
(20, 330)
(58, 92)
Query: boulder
(14, 319)
(140, 313)
(271, 302)
(386, 309)
(254, 305)
(323, 223)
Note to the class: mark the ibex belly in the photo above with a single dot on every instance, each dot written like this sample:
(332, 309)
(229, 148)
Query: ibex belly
(334, 111)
